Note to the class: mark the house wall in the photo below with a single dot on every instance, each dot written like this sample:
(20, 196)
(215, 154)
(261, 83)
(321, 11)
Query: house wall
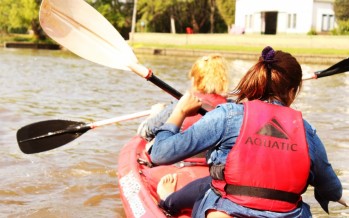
(323, 16)
(307, 14)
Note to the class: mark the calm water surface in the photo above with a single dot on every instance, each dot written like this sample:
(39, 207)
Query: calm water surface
(80, 179)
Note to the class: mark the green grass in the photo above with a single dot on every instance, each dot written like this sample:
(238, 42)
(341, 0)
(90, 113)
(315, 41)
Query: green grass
(247, 49)
(22, 38)
(228, 48)
(16, 38)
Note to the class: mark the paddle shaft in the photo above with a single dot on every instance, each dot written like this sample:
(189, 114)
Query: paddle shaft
(149, 75)
(119, 119)
(340, 67)
(164, 86)
(85, 127)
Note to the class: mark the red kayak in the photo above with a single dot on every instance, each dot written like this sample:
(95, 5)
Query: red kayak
(138, 179)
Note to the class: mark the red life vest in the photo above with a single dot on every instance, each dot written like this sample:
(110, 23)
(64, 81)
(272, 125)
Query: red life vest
(268, 167)
(209, 102)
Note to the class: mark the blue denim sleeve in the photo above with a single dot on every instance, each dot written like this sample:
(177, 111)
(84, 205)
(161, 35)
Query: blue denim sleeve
(148, 127)
(171, 146)
(327, 186)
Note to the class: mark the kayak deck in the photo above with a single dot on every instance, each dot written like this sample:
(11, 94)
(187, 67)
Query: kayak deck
(138, 179)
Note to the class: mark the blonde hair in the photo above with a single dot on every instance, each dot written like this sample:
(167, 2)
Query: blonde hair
(210, 75)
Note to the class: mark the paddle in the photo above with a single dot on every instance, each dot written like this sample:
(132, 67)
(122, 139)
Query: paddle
(92, 37)
(51, 134)
(84, 31)
(340, 67)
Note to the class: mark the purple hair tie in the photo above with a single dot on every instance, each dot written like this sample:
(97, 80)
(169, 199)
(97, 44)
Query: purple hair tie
(268, 54)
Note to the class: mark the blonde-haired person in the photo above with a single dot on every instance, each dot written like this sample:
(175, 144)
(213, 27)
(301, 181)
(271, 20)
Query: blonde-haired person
(209, 76)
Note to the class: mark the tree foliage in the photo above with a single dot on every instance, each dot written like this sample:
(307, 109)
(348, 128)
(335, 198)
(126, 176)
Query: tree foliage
(200, 15)
(341, 11)
(17, 14)
(340, 8)
(119, 14)
(203, 16)
(227, 11)
(20, 16)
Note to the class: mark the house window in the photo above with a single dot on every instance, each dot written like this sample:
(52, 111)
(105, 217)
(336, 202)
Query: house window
(292, 21)
(248, 21)
(327, 22)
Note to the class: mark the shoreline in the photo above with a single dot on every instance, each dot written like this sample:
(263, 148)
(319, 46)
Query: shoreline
(314, 49)
(31, 45)
(249, 56)
(329, 49)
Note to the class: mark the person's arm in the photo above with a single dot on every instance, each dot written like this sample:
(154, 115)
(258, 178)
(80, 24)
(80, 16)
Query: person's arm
(172, 146)
(188, 105)
(327, 186)
(159, 115)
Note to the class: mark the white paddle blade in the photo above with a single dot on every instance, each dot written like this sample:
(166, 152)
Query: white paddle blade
(84, 31)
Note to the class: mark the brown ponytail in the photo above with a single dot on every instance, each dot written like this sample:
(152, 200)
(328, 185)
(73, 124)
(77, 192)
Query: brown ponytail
(276, 76)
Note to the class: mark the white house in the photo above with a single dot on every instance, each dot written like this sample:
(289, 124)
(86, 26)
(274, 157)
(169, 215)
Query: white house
(284, 16)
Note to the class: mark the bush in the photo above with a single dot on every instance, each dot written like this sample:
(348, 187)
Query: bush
(342, 29)
(312, 32)
(19, 30)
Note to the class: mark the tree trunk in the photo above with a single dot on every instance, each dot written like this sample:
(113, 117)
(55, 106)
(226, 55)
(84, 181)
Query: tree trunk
(196, 28)
(173, 25)
(212, 21)
(38, 32)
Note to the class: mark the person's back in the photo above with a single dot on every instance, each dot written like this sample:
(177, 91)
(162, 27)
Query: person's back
(250, 180)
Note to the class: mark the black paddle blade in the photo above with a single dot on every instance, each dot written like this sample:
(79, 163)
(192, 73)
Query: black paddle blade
(48, 135)
(340, 67)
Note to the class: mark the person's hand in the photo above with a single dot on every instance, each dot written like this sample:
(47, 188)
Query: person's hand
(189, 104)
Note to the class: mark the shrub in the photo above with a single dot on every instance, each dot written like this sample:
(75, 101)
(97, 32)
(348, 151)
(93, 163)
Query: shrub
(312, 32)
(342, 29)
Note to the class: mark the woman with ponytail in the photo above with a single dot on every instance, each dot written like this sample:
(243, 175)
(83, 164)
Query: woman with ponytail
(262, 154)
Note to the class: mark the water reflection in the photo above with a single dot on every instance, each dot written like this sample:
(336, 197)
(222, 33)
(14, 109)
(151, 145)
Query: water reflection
(80, 179)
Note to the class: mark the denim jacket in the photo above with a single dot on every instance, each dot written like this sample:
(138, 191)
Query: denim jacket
(218, 131)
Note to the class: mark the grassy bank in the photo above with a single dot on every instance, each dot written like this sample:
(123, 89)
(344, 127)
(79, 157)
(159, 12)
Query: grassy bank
(247, 49)
(295, 44)
(308, 49)
(16, 38)
(22, 38)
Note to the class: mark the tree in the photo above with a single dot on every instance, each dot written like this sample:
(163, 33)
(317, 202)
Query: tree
(157, 13)
(227, 11)
(20, 14)
(340, 8)
(118, 13)
(212, 4)
(341, 11)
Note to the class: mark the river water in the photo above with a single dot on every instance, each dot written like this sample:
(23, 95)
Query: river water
(79, 179)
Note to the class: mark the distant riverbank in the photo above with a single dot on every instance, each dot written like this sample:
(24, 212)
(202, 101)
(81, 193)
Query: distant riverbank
(307, 49)
(315, 49)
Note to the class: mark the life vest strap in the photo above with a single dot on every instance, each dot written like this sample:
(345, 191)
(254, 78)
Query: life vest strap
(266, 193)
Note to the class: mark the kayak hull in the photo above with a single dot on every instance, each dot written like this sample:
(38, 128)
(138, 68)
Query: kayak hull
(138, 179)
